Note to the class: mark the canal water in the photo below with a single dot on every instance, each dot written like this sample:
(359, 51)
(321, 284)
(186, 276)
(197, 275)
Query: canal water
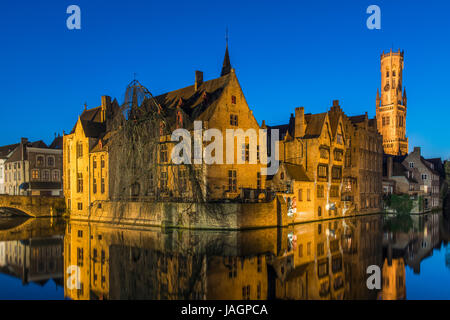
(407, 258)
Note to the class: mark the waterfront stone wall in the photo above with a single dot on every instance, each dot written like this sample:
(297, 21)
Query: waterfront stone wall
(190, 215)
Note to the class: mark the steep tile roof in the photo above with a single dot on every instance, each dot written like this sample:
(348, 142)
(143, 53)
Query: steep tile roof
(57, 143)
(194, 104)
(314, 124)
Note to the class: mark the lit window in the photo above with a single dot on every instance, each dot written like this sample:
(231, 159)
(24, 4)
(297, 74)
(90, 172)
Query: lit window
(35, 174)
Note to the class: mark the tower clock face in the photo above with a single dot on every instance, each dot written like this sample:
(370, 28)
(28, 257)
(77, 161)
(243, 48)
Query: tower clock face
(386, 87)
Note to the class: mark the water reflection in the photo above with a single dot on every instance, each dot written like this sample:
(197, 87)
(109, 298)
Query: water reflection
(323, 260)
(31, 252)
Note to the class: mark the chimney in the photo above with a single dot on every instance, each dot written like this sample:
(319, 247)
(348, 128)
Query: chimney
(106, 102)
(198, 79)
(299, 122)
(417, 150)
(390, 165)
(23, 140)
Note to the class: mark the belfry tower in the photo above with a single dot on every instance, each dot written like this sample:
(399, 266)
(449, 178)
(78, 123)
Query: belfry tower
(391, 104)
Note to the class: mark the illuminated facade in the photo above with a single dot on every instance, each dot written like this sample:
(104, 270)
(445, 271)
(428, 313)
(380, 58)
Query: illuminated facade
(331, 164)
(391, 104)
(218, 103)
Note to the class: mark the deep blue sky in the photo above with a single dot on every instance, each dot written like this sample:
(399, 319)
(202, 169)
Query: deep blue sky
(286, 54)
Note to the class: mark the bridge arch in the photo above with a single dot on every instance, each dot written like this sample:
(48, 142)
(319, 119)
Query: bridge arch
(33, 206)
(15, 212)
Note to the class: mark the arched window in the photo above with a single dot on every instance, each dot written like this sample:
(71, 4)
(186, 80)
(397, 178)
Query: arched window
(40, 161)
(46, 175)
(55, 175)
(50, 161)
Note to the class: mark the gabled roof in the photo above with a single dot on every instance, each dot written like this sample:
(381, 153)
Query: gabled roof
(57, 143)
(93, 129)
(283, 130)
(38, 144)
(428, 165)
(314, 124)
(334, 121)
(197, 104)
(438, 166)
(91, 115)
(21, 149)
(17, 154)
(399, 170)
(6, 150)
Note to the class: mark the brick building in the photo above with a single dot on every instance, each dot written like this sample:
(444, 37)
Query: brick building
(218, 103)
(342, 160)
(391, 104)
(34, 168)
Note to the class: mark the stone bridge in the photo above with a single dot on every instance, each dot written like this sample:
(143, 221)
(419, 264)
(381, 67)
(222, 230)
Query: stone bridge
(33, 206)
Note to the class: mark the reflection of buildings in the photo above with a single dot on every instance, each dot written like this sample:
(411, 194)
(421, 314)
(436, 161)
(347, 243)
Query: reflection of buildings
(393, 283)
(407, 248)
(311, 261)
(118, 263)
(330, 260)
(35, 260)
(322, 260)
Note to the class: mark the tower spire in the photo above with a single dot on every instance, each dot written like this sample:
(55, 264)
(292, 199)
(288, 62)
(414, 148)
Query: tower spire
(226, 67)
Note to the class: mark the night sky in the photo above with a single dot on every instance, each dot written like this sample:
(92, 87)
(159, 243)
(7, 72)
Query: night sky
(286, 54)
